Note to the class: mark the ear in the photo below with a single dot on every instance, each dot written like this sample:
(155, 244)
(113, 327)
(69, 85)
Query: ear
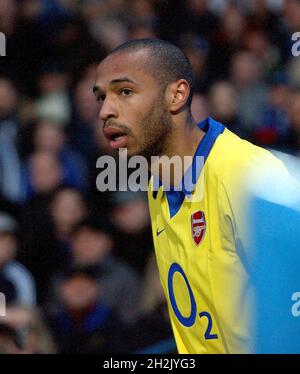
(177, 95)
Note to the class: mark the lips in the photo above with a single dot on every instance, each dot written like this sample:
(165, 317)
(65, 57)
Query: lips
(117, 137)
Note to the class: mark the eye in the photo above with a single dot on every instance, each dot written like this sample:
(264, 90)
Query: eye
(125, 91)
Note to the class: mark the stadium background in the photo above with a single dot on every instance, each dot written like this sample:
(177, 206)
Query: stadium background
(76, 265)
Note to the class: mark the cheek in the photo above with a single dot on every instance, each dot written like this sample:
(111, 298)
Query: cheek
(135, 112)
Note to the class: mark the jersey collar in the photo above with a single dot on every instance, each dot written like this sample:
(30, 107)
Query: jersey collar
(212, 130)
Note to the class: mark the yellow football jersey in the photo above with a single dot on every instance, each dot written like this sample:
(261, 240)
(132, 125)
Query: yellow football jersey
(200, 244)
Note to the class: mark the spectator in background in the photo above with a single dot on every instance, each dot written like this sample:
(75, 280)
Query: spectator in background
(25, 44)
(100, 201)
(264, 17)
(107, 22)
(247, 78)
(143, 20)
(168, 21)
(92, 245)
(52, 163)
(8, 108)
(50, 136)
(130, 216)
(86, 112)
(141, 30)
(110, 33)
(152, 332)
(67, 208)
(84, 324)
(70, 40)
(196, 49)
(200, 108)
(11, 271)
(47, 235)
(143, 10)
(23, 331)
(44, 174)
(10, 164)
(227, 41)
(257, 42)
(54, 101)
(200, 19)
(223, 100)
(274, 123)
(232, 25)
(8, 19)
(291, 15)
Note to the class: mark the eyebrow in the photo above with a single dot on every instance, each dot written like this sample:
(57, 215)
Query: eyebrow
(121, 80)
(97, 89)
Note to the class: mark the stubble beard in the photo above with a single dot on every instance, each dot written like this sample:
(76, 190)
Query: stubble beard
(156, 129)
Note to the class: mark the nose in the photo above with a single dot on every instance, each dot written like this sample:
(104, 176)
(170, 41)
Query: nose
(108, 110)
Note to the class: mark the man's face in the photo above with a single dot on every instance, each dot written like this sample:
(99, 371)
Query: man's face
(8, 98)
(79, 292)
(133, 105)
(8, 247)
(90, 247)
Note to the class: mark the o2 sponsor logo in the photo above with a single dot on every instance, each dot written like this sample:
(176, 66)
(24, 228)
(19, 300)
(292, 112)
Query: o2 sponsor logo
(191, 319)
(296, 45)
(2, 44)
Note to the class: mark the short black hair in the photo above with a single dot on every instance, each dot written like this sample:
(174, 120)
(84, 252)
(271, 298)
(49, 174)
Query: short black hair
(166, 62)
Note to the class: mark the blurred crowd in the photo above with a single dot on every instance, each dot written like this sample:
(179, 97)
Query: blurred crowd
(76, 264)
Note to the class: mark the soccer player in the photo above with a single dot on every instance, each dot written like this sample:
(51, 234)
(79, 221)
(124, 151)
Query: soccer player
(145, 88)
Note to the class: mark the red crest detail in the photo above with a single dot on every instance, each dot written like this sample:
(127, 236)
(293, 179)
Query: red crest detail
(198, 226)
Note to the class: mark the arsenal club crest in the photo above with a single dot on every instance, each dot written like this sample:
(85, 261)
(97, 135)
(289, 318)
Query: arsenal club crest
(198, 226)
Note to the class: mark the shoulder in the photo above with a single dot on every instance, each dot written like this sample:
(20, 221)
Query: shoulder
(235, 161)
(240, 171)
(233, 151)
(16, 269)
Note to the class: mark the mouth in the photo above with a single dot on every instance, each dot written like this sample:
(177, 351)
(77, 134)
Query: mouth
(117, 137)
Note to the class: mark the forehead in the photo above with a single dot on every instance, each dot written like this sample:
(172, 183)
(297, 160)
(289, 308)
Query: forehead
(132, 65)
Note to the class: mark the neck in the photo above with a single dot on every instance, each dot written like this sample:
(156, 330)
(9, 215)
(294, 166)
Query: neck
(182, 144)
